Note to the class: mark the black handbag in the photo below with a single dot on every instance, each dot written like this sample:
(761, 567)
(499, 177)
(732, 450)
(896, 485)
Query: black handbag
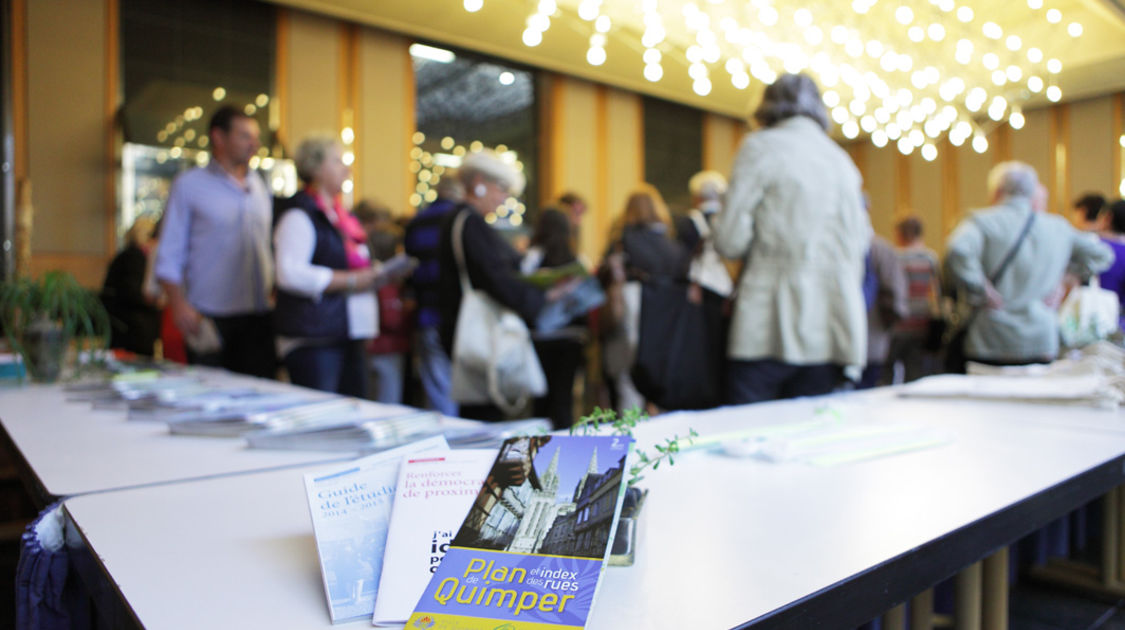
(681, 349)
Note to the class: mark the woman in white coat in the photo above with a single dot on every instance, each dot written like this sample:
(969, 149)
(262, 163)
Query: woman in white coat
(794, 213)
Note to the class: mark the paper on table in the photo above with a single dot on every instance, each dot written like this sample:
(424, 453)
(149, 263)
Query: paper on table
(1083, 389)
(830, 444)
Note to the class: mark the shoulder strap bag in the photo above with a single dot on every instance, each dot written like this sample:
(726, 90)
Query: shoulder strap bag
(493, 359)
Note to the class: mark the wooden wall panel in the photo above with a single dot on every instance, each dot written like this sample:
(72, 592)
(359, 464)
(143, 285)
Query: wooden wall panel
(313, 103)
(926, 194)
(386, 116)
(880, 183)
(624, 141)
(574, 161)
(972, 178)
(1032, 144)
(720, 142)
(66, 128)
(1091, 148)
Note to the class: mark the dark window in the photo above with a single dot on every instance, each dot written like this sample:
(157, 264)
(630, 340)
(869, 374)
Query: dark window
(673, 149)
(464, 103)
(180, 62)
(182, 55)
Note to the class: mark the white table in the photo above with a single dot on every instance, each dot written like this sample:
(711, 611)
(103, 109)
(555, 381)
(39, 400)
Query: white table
(67, 448)
(723, 541)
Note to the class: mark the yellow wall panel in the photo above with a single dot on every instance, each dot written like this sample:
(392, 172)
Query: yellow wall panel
(576, 157)
(386, 118)
(972, 179)
(1091, 148)
(624, 167)
(879, 182)
(1032, 144)
(925, 200)
(312, 105)
(67, 127)
(720, 142)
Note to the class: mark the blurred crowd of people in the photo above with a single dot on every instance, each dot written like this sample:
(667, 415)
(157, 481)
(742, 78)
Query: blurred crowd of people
(772, 285)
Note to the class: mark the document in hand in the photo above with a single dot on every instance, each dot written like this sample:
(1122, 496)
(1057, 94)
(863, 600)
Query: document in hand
(531, 552)
(435, 491)
(351, 508)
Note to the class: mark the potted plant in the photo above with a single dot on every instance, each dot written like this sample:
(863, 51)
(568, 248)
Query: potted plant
(41, 317)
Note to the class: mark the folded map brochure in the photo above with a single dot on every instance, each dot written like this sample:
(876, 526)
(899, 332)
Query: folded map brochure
(350, 507)
(548, 277)
(361, 435)
(531, 552)
(434, 493)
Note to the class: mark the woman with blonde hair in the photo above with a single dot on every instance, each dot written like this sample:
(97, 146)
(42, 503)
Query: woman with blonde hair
(643, 237)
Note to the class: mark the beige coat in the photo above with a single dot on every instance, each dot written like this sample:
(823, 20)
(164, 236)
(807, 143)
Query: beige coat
(794, 212)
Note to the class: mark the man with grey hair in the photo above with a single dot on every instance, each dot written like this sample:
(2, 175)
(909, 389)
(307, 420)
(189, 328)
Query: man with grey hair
(1008, 259)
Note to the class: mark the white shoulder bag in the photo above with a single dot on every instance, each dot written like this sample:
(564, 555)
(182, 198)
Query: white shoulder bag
(493, 358)
(1087, 315)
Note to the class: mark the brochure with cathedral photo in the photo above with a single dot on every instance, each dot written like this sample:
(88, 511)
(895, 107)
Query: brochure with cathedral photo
(350, 506)
(435, 491)
(532, 549)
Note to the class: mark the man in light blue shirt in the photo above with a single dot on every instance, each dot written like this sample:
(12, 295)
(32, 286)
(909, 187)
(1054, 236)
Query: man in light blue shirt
(214, 258)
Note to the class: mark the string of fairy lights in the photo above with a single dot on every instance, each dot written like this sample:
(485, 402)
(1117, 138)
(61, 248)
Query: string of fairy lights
(899, 72)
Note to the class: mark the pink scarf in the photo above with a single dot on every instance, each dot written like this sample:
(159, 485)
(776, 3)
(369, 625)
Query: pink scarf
(349, 227)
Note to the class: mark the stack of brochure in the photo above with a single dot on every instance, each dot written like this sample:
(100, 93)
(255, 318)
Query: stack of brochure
(470, 539)
(240, 422)
(214, 403)
(363, 433)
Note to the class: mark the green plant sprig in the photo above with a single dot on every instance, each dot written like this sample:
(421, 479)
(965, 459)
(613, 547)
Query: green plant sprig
(624, 425)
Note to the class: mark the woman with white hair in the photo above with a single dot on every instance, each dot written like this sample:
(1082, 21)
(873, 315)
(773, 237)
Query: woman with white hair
(706, 268)
(492, 264)
(794, 214)
(325, 279)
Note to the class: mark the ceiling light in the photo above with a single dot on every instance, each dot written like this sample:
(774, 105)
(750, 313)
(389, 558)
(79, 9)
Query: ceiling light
(532, 37)
(472, 6)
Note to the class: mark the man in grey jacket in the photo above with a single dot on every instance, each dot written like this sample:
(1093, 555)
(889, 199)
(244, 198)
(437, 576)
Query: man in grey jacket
(1014, 323)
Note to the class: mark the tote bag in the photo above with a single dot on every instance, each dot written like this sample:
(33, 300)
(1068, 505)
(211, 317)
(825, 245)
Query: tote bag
(493, 358)
(1087, 315)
